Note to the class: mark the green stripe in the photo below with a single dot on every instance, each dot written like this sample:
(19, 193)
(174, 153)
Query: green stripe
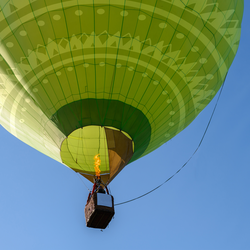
(111, 113)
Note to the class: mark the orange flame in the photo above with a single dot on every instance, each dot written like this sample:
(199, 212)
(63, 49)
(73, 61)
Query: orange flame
(97, 164)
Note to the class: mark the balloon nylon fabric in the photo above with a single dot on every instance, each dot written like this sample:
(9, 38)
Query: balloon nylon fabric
(145, 67)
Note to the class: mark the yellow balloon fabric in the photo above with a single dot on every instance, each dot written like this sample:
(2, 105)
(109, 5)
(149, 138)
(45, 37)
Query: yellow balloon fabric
(73, 72)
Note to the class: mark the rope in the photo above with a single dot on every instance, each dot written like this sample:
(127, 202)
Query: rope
(83, 181)
(118, 204)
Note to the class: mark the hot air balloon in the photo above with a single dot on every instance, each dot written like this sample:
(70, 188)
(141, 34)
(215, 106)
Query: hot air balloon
(114, 78)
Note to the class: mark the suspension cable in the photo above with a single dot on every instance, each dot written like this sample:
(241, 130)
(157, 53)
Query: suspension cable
(83, 181)
(202, 138)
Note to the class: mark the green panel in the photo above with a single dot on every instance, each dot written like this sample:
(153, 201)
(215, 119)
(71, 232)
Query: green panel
(80, 147)
(102, 62)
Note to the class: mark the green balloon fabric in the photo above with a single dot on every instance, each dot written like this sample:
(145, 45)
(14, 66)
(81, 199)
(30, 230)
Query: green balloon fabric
(144, 67)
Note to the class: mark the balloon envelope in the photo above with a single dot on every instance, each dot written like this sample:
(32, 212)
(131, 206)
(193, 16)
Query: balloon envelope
(111, 77)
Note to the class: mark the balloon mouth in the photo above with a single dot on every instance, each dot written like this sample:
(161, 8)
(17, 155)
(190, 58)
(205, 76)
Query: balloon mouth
(114, 147)
(106, 113)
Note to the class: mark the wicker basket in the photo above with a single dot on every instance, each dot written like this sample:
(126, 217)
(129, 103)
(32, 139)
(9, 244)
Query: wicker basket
(99, 210)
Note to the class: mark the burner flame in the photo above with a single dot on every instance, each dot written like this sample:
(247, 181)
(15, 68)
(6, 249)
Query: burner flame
(97, 164)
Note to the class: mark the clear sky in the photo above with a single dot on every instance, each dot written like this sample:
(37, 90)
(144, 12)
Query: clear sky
(205, 207)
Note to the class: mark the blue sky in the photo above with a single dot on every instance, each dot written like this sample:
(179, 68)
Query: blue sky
(206, 206)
